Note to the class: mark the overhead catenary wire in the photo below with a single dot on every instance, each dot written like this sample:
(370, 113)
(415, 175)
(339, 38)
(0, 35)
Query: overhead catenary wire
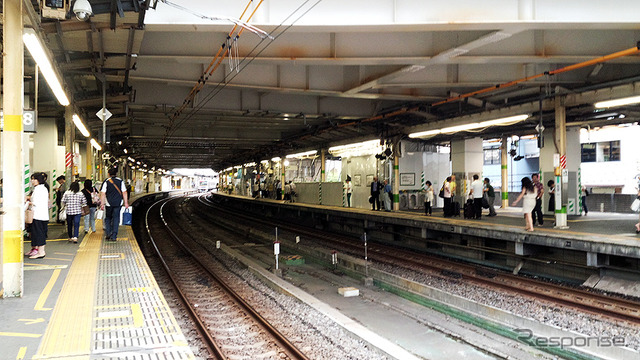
(223, 51)
(248, 59)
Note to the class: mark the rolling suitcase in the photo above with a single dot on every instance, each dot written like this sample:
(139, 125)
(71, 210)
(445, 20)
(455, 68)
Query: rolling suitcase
(469, 211)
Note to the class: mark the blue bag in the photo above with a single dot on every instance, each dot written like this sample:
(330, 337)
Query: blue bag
(127, 218)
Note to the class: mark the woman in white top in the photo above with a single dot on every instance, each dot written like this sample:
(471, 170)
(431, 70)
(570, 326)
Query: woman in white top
(529, 193)
(428, 198)
(349, 190)
(40, 204)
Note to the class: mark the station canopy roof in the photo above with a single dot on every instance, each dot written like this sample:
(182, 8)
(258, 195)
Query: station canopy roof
(304, 75)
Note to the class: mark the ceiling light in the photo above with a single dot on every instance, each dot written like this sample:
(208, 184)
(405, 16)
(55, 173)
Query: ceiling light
(80, 125)
(618, 102)
(276, 159)
(286, 163)
(125, 151)
(32, 42)
(425, 133)
(302, 154)
(477, 125)
(95, 144)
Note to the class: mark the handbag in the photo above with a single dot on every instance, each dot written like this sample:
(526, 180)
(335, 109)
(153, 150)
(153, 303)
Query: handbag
(28, 215)
(85, 210)
(62, 215)
(99, 214)
(127, 218)
(635, 205)
(441, 193)
(485, 202)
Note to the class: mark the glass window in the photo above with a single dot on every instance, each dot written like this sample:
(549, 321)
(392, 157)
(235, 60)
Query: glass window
(614, 151)
(589, 152)
(492, 156)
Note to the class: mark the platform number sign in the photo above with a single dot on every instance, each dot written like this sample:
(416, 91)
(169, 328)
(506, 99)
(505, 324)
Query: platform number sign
(29, 121)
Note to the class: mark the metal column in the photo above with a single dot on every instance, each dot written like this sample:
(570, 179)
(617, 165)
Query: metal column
(11, 273)
(504, 174)
(561, 143)
(69, 130)
(396, 181)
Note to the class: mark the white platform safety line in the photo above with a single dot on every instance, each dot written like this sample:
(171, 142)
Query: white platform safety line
(132, 318)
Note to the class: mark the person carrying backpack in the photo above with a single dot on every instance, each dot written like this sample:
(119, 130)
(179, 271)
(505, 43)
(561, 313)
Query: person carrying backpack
(113, 194)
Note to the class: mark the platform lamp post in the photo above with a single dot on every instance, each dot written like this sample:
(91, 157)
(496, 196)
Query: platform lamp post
(560, 169)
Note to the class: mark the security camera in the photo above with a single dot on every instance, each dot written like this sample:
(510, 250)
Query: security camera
(82, 9)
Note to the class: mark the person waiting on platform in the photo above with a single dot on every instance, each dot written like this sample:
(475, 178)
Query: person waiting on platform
(428, 198)
(491, 196)
(39, 201)
(375, 193)
(529, 193)
(537, 210)
(292, 185)
(113, 194)
(386, 196)
(583, 194)
(448, 197)
(477, 192)
(287, 191)
(348, 188)
(60, 190)
(74, 200)
(93, 199)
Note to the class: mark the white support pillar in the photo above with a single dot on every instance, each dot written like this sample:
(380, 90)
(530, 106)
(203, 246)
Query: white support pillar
(467, 159)
(11, 255)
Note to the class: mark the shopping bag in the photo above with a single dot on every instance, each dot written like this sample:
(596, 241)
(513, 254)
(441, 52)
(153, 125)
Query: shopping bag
(99, 214)
(28, 215)
(635, 205)
(127, 218)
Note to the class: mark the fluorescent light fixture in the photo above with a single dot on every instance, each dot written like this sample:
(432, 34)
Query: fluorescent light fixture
(251, 164)
(302, 154)
(276, 159)
(264, 162)
(36, 50)
(80, 125)
(425, 133)
(95, 144)
(477, 125)
(357, 149)
(618, 102)
(125, 151)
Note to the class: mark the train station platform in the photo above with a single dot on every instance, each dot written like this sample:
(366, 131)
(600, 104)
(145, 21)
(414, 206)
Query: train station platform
(591, 248)
(95, 299)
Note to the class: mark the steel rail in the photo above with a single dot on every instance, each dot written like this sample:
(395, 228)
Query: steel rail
(289, 348)
(201, 328)
(601, 305)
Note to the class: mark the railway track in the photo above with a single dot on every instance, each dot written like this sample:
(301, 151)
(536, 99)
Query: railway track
(230, 327)
(594, 303)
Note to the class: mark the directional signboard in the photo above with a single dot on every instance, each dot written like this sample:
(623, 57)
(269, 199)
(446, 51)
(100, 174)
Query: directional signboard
(107, 114)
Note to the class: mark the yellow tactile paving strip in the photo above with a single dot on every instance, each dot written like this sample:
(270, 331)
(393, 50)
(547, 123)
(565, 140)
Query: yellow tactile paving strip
(69, 330)
(111, 307)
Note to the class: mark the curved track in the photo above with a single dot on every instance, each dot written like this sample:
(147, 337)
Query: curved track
(229, 325)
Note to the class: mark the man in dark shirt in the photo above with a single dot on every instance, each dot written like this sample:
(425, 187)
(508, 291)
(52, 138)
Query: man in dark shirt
(113, 194)
(537, 211)
(491, 196)
(375, 193)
